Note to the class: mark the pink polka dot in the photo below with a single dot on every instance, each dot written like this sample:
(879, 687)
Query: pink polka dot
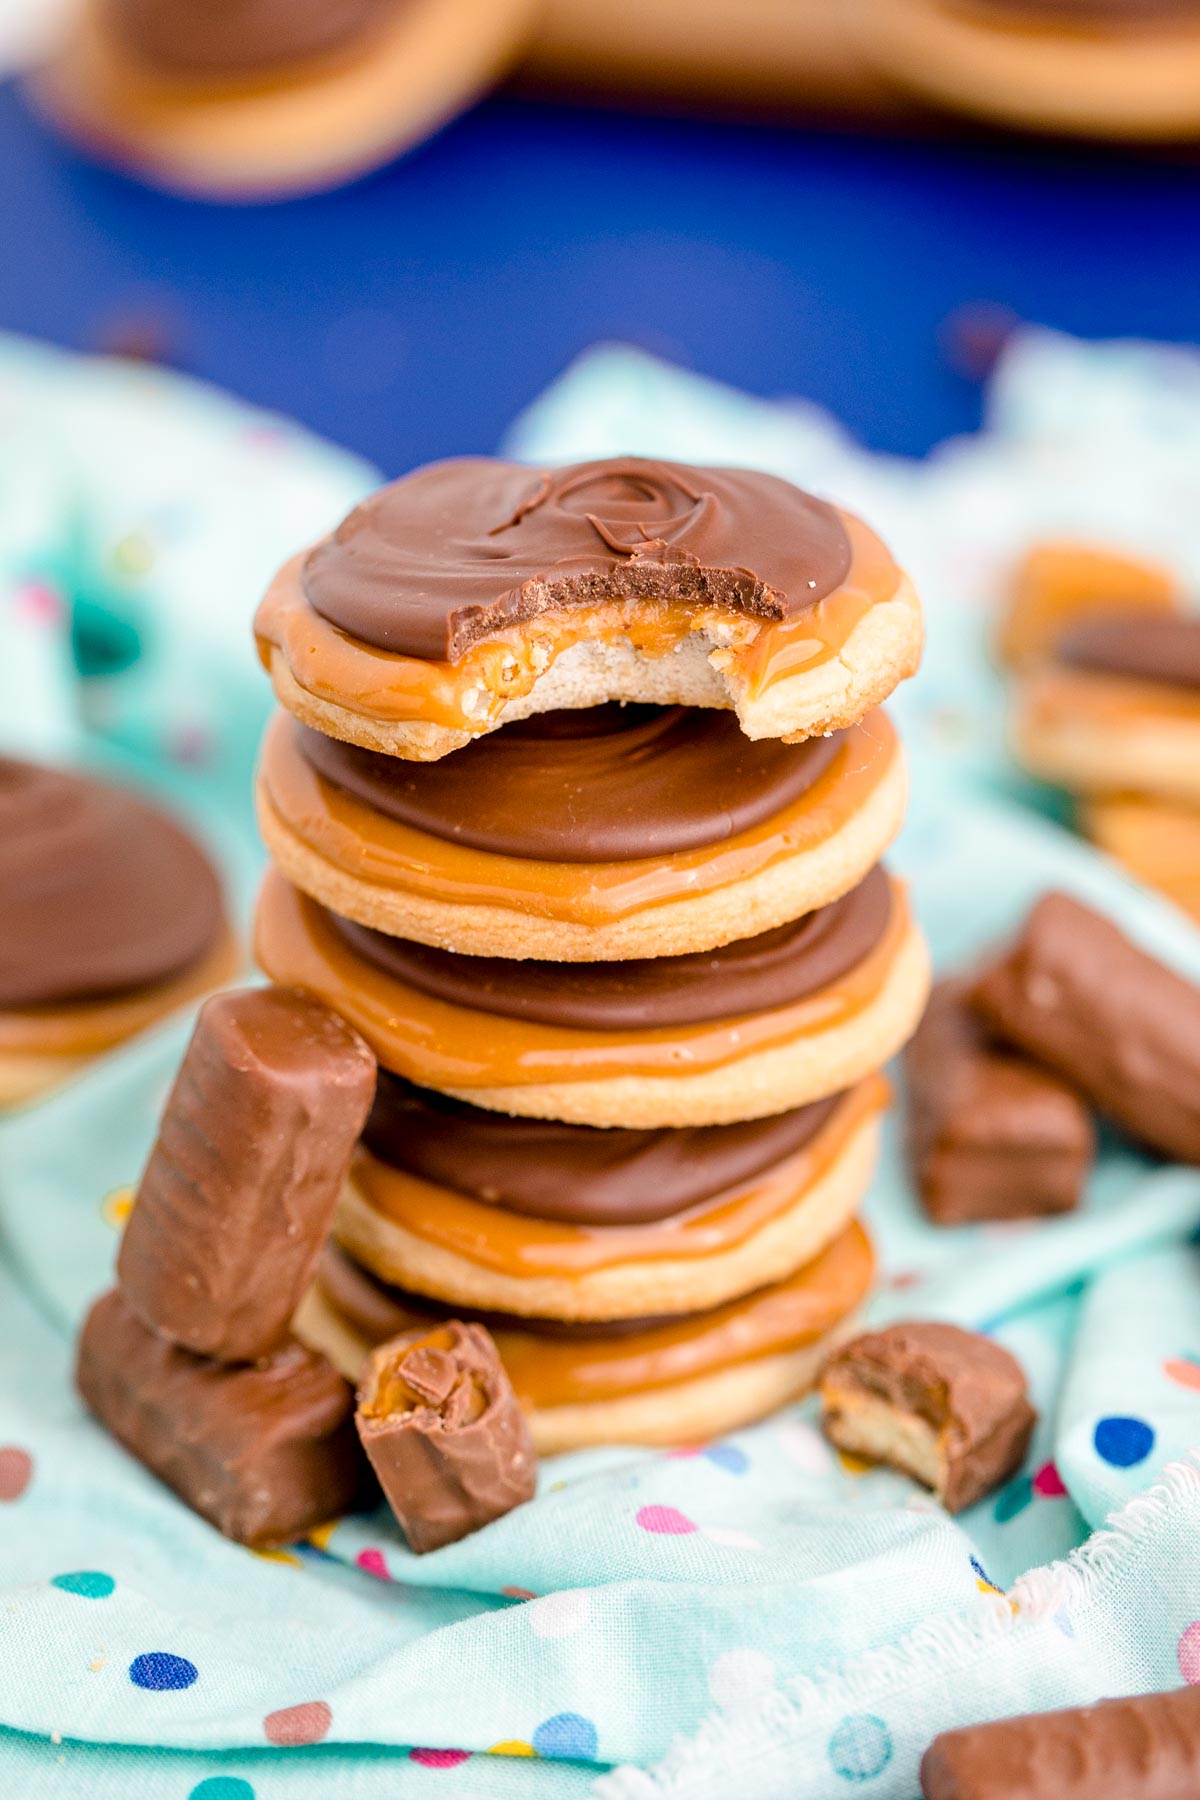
(665, 1520)
(16, 1472)
(306, 1724)
(1048, 1483)
(439, 1759)
(374, 1563)
(1182, 1371)
(1188, 1652)
(516, 1593)
(40, 603)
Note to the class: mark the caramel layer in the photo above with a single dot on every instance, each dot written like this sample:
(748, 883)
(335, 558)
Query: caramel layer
(468, 695)
(1057, 694)
(384, 852)
(553, 1370)
(514, 1244)
(454, 1047)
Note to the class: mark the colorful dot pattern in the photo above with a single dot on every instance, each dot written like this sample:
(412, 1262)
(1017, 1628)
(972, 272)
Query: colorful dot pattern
(158, 1671)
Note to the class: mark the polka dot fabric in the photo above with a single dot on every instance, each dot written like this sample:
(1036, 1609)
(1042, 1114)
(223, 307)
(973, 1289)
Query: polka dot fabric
(647, 1605)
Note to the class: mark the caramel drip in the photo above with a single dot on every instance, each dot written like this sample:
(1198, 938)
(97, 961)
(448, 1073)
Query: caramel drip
(365, 845)
(453, 1047)
(564, 1371)
(468, 695)
(516, 1245)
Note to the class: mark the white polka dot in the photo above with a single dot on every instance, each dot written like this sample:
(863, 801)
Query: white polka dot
(804, 1447)
(731, 1540)
(740, 1675)
(558, 1615)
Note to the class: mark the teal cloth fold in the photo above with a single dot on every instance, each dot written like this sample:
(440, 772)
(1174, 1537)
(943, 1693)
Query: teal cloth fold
(653, 1623)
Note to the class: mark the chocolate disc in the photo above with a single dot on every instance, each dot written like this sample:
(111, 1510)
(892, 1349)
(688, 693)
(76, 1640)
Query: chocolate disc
(457, 551)
(603, 784)
(101, 892)
(757, 974)
(574, 1173)
(1143, 647)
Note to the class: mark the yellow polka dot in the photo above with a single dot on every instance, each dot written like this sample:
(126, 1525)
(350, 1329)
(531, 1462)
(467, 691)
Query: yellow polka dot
(512, 1747)
(279, 1556)
(319, 1538)
(116, 1207)
(133, 554)
(854, 1465)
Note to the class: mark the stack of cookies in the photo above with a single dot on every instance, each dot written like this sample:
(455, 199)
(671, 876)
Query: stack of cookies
(576, 806)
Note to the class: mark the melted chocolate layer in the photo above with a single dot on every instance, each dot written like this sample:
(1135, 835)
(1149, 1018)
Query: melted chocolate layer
(1144, 647)
(456, 551)
(757, 974)
(604, 784)
(574, 1173)
(101, 893)
(231, 38)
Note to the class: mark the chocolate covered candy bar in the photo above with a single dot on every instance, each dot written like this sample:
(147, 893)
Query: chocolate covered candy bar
(264, 1453)
(1147, 1748)
(943, 1405)
(439, 1420)
(1076, 994)
(238, 1196)
(991, 1135)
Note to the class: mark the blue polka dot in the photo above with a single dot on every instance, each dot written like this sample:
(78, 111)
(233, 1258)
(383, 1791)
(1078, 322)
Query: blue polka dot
(158, 1670)
(1123, 1442)
(222, 1787)
(566, 1735)
(981, 1572)
(89, 1584)
(860, 1748)
(1013, 1499)
(729, 1458)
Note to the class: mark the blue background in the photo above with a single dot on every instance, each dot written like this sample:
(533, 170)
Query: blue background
(413, 314)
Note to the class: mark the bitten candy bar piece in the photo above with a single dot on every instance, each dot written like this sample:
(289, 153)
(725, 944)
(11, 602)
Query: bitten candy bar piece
(990, 1134)
(264, 1453)
(1146, 1748)
(439, 1420)
(944, 1405)
(1076, 994)
(238, 1196)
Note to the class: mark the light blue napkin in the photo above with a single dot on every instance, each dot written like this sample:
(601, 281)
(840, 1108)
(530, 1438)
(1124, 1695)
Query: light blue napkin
(751, 1613)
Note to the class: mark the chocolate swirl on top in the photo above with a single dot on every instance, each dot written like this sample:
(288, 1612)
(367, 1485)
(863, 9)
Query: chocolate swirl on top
(576, 1174)
(101, 893)
(758, 974)
(1143, 647)
(211, 39)
(457, 551)
(605, 784)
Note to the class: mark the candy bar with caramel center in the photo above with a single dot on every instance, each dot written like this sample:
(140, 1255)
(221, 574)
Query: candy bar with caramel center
(946, 1406)
(440, 1422)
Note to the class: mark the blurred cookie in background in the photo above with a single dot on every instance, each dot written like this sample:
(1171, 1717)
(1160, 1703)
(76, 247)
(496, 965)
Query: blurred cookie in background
(111, 917)
(1119, 69)
(258, 99)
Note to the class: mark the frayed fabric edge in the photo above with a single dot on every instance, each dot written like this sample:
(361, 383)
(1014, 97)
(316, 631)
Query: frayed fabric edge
(925, 1651)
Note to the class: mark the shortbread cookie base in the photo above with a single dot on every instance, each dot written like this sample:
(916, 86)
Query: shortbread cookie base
(628, 1290)
(683, 1412)
(882, 649)
(796, 884)
(1141, 82)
